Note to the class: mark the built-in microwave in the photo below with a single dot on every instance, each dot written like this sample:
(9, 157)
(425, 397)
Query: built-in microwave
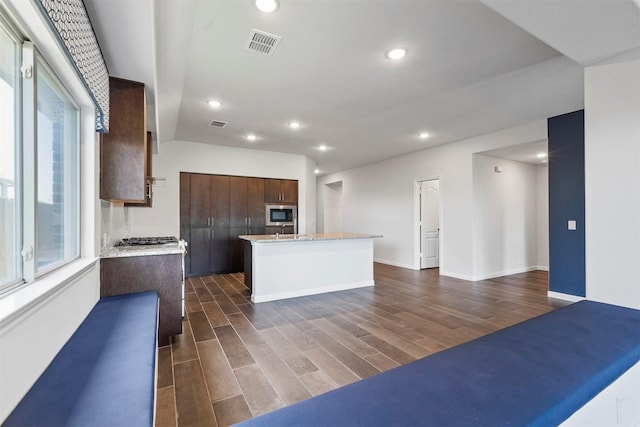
(280, 214)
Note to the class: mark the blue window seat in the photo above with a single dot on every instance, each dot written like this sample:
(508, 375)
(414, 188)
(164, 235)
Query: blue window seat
(104, 375)
(536, 373)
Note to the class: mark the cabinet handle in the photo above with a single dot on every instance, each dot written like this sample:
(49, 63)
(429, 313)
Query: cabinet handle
(213, 221)
(149, 190)
(249, 221)
(208, 221)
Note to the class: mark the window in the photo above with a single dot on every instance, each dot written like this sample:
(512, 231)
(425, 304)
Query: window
(57, 173)
(39, 165)
(9, 205)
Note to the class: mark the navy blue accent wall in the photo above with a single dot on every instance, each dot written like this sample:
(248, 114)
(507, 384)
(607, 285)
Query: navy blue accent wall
(566, 202)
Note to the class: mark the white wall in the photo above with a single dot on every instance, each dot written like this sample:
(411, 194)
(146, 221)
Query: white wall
(542, 209)
(612, 180)
(504, 217)
(379, 198)
(181, 156)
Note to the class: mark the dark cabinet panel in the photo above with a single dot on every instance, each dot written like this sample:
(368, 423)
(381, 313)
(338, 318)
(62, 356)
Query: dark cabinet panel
(238, 202)
(199, 251)
(124, 150)
(255, 202)
(290, 191)
(281, 191)
(220, 251)
(162, 273)
(219, 200)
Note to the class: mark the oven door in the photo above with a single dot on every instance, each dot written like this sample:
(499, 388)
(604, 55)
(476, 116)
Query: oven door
(278, 215)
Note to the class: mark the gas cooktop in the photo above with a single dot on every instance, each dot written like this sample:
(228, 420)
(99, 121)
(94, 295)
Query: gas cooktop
(146, 241)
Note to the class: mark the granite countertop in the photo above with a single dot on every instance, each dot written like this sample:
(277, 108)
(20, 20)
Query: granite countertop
(282, 238)
(144, 250)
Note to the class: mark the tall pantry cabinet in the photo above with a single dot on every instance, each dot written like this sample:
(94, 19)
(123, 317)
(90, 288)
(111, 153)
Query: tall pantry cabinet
(215, 210)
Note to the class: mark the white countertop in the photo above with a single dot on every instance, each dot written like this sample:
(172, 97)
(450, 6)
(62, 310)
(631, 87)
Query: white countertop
(143, 250)
(284, 238)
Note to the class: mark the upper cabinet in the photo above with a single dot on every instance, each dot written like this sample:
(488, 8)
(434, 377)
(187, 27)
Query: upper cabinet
(125, 151)
(281, 191)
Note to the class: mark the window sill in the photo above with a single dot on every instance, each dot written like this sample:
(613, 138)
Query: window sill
(22, 299)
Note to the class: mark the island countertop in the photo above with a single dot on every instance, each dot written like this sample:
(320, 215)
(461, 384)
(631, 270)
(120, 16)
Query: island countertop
(284, 238)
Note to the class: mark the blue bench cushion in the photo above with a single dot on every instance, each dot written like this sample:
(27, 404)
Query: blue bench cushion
(105, 373)
(534, 373)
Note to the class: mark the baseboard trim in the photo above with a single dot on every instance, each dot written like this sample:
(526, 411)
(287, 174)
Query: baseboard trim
(505, 273)
(393, 263)
(542, 267)
(456, 275)
(565, 297)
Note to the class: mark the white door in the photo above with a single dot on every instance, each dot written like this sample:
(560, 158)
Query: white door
(429, 223)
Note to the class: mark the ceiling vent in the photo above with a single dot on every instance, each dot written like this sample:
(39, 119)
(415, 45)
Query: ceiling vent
(217, 124)
(261, 42)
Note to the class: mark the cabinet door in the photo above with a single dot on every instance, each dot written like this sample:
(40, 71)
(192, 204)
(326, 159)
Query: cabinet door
(199, 224)
(290, 191)
(255, 202)
(238, 201)
(199, 258)
(123, 152)
(272, 193)
(148, 173)
(220, 253)
(219, 200)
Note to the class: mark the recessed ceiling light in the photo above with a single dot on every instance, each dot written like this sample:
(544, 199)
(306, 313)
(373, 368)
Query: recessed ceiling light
(294, 125)
(322, 147)
(423, 135)
(214, 103)
(267, 6)
(251, 137)
(397, 53)
(541, 155)
(317, 171)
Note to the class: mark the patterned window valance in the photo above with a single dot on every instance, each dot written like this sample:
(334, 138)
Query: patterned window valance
(71, 23)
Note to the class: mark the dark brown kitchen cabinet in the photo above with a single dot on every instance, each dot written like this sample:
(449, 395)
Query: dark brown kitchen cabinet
(148, 172)
(204, 222)
(161, 273)
(124, 150)
(216, 209)
(281, 191)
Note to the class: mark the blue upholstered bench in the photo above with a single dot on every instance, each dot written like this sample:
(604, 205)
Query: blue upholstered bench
(104, 375)
(538, 372)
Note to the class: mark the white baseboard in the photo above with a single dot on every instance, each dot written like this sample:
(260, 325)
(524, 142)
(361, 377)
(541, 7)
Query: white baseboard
(505, 273)
(456, 275)
(542, 267)
(393, 263)
(566, 297)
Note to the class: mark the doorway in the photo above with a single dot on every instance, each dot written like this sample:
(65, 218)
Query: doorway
(429, 223)
(333, 207)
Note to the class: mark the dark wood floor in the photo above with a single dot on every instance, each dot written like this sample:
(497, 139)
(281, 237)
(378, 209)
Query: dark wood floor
(237, 360)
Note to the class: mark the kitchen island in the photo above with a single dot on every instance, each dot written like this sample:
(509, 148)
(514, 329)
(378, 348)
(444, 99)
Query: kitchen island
(291, 265)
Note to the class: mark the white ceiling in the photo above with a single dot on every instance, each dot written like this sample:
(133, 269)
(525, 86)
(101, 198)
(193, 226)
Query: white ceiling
(472, 68)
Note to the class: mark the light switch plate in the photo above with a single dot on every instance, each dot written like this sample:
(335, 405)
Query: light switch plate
(571, 224)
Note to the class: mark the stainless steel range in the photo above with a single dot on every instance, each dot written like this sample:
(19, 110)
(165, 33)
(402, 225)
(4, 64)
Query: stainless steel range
(148, 241)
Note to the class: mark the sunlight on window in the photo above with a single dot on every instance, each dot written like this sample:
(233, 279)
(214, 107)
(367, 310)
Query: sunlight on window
(57, 164)
(9, 269)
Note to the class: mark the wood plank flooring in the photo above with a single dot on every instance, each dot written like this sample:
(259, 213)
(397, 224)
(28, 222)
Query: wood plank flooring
(236, 360)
